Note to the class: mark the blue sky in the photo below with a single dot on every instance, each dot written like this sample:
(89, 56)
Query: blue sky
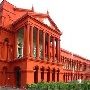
(71, 16)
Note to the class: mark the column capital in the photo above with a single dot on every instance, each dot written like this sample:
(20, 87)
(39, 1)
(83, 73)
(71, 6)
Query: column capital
(39, 28)
(31, 24)
(44, 31)
(58, 39)
(27, 23)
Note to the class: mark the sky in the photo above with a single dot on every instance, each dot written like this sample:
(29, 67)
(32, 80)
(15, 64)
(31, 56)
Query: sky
(72, 18)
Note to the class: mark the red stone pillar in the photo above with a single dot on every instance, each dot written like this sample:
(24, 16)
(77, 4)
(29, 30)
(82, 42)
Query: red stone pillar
(58, 50)
(31, 41)
(24, 77)
(15, 46)
(64, 77)
(59, 56)
(68, 77)
(39, 75)
(76, 76)
(37, 45)
(77, 64)
(71, 76)
(43, 46)
(48, 47)
(45, 76)
(61, 77)
(53, 49)
(74, 64)
(50, 75)
(26, 40)
(55, 76)
(70, 63)
(30, 76)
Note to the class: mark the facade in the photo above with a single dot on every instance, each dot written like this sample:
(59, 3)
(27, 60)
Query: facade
(30, 49)
(75, 67)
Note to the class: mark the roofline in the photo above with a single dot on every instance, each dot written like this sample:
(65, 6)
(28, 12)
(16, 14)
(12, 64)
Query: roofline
(66, 51)
(28, 15)
(22, 9)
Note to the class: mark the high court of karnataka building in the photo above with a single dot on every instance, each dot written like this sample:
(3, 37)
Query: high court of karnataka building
(30, 50)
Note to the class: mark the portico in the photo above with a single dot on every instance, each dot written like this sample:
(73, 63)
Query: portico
(39, 43)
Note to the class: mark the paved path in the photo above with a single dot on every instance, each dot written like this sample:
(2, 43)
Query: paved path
(9, 88)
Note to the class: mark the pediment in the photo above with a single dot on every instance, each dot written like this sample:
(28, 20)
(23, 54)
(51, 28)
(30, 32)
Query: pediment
(43, 18)
(46, 19)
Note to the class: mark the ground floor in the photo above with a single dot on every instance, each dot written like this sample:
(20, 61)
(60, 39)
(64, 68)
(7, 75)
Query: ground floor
(19, 73)
(26, 71)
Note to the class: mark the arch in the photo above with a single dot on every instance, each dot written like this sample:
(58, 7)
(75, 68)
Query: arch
(48, 68)
(17, 67)
(81, 76)
(68, 79)
(53, 74)
(58, 71)
(17, 76)
(64, 76)
(36, 68)
(71, 76)
(4, 67)
(78, 76)
(48, 74)
(42, 68)
(6, 40)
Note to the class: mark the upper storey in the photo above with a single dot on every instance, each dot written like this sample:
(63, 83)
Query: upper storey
(10, 15)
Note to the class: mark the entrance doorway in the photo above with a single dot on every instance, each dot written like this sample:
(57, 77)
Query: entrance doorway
(18, 76)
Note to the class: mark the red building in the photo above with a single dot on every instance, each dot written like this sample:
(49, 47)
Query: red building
(30, 49)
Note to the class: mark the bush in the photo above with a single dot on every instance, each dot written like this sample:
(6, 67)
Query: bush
(74, 85)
